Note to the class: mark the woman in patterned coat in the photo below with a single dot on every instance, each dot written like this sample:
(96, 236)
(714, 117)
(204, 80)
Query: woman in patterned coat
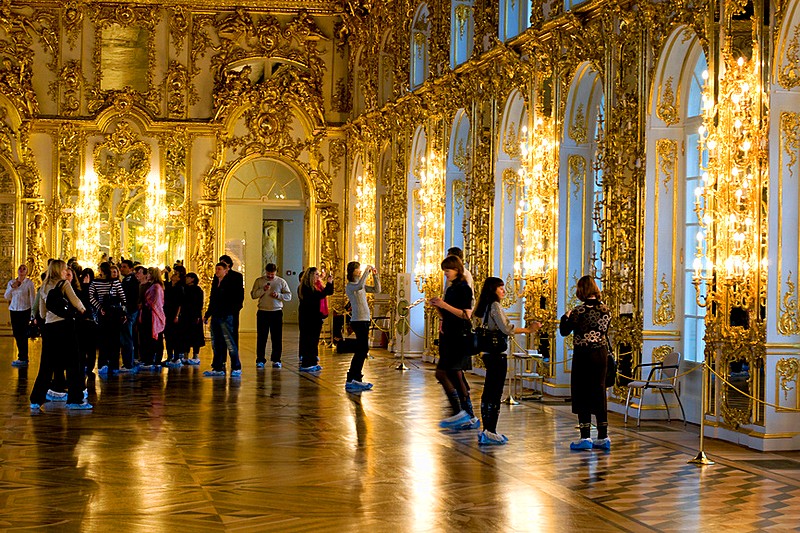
(588, 324)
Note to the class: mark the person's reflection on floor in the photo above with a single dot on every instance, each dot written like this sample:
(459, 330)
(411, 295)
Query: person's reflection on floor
(56, 462)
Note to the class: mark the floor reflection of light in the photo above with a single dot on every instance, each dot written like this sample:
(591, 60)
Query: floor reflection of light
(525, 507)
(424, 480)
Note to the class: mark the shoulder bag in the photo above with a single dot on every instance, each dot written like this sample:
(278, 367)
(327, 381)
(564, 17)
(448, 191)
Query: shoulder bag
(490, 340)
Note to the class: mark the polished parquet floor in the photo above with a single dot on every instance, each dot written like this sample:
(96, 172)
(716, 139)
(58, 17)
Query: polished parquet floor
(276, 450)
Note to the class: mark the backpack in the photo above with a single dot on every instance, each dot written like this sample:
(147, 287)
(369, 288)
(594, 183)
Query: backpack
(57, 303)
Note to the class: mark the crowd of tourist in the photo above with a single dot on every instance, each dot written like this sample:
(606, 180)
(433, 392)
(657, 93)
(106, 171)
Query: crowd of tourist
(126, 318)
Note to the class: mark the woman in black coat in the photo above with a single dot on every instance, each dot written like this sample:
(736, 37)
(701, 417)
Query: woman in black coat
(588, 324)
(310, 317)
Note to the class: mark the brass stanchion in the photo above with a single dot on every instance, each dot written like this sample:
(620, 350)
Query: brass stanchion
(701, 459)
(512, 381)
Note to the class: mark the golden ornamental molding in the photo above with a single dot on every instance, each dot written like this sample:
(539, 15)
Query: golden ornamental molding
(577, 128)
(667, 109)
(659, 353)
(787, 374)
(789, 73)
(511, 141)
(576, 170)
(122, 160)
(178, 26)
(510, 179)
(665, 306)
(788, 320)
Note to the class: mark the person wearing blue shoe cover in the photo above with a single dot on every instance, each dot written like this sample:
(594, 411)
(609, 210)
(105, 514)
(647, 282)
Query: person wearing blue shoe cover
(454, 353)
(271, 291)
(494, 319)
(225, 301)
(588, 324)
(310, 316)
(356, 290)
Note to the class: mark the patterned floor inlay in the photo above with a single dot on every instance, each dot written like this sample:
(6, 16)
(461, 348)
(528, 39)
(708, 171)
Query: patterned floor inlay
(276, 450)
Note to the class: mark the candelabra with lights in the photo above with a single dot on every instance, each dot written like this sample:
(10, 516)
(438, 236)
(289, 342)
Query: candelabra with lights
(536, 218)
(87, 220)
(365, 217)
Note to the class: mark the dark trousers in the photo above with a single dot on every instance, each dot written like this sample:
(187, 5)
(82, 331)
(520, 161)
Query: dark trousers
(87, 343)
(223, 342)
(108, 342)
(19, 328)
(496, 368)
(127, 339)
(269, 323)
(361, 329)
(310, 330)
(59, 349)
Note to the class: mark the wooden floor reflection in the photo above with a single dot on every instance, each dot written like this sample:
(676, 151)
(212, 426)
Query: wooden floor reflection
(276, 450)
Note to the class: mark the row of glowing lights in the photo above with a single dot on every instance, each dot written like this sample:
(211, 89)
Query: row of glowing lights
(736, 264)
(430, 223)
(365, 220)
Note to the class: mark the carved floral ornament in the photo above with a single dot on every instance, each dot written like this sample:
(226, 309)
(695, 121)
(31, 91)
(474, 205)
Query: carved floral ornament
(122, 160)
(667, 109)
(789, 73)
(788, 372)
(578, 129)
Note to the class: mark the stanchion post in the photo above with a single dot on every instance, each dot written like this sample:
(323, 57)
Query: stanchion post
(701, 459)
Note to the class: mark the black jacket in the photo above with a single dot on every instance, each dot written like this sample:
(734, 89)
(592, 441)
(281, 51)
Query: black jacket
(227, 297)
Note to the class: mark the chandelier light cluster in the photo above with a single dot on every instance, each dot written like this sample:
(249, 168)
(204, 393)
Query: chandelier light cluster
(430, 200)
(155, 227)
(730, 263)
(535, 253)
(87, 221)
(365, 218)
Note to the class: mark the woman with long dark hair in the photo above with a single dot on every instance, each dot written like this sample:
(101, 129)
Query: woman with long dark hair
(356, 290)
(190, 320)
(493, 318)
(59, 342)
(310, 317)
(87, 329)
(108, 300)
(173, 299)
(151, 321)
(588, 324)
(454, 353)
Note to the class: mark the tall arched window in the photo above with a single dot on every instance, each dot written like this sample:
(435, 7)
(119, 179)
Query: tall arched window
(696, 160)
(515, 18)
(420, 46)
(462, 31)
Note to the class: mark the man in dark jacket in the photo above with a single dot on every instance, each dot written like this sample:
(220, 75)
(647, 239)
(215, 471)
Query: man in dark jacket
(225, 302)
(236, 278)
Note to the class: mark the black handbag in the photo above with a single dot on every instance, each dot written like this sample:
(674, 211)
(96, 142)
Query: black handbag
(490, 340)
(58, 304)
(470, 338)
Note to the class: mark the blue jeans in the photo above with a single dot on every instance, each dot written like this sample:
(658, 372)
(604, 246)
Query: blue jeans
(126, 339)
(223, 342)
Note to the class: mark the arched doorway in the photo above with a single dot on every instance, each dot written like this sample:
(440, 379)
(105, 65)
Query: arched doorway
(264, 222)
